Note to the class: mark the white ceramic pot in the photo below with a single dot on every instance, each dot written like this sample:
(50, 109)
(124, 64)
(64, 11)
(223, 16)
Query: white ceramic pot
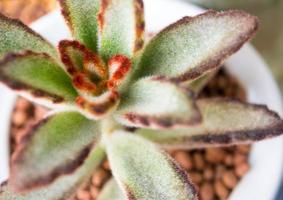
(266, 159)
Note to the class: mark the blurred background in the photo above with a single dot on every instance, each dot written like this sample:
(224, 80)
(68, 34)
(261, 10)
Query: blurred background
(26, 10)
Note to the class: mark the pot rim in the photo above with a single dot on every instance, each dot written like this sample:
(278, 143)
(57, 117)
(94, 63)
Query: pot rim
(262, 181)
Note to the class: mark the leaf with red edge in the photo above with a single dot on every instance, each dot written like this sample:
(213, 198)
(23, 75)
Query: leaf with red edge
(99, 107)
(56, 146)
(72, 55)
(81, 16)
(87, 69)
(121, 27)
(16, 37)
(119, 67)
(38, 76)
(78, 58)
(225, 122)
(63, 188)
(194, 46)
(157, 103)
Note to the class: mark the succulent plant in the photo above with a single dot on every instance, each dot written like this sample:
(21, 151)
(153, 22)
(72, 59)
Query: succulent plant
(113, 96)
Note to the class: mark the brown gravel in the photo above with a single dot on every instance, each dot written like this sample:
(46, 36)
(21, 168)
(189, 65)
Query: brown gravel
(26, 10)
(214, 171)
(221, 86)
(220, 190)
(206, 191)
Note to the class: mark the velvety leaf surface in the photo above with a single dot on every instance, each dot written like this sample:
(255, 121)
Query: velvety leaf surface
(56, 146)
(157, 103)
(144, 172)
(63, 188)
(225, 122)
(38, 75)
(111, 191)
(16, 37)
(72, 55)
(81, 16)
(79, 59)
(121, 27)
(194, 45)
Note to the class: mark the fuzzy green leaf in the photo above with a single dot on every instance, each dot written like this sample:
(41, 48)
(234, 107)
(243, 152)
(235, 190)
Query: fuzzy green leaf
(195, 45)
(81, 16)
(121, 27)
(37, 75)
(65, 187)
(56, 146)
(16, 37)
(72, 55)
(225, 122)
(111, 191)
(144, 171)
(157, 103)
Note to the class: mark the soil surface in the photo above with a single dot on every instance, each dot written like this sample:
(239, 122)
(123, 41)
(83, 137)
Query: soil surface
(26, 10)
(214, 171)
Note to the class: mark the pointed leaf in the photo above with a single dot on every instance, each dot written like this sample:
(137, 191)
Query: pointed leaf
(56, 146)
(37, 75)
(225, 122)
(81, 16)
(87, 69)
(157, 103)
(119, 70)
(111, 191)
(121, 27)
(145, 172)
(16, 37)
(78, 58)
(72, 55)
(65, 187)
(195, 45)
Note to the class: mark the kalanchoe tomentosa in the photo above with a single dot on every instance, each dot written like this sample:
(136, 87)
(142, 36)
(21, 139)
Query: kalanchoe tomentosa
(106, 80)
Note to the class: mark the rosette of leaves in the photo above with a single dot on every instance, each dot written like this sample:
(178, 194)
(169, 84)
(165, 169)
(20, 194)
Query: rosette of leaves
(106, 81)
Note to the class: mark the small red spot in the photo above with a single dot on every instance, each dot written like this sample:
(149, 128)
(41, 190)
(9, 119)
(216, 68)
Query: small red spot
(80, 101)
(111, 85)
